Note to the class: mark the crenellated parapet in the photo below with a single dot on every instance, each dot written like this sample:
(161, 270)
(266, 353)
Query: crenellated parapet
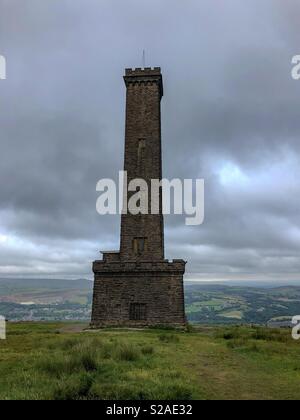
(144, 76)
(138, 71)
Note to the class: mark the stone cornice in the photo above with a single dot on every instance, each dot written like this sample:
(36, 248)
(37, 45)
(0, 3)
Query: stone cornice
(176, 266)
(144, 76)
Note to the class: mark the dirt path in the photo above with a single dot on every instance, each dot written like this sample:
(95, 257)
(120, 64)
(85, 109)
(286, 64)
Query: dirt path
(74, 328)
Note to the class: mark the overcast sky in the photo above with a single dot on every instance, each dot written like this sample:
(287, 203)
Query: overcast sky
(230, 115)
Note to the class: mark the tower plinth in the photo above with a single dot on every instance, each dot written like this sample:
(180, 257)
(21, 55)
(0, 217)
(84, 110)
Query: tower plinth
(137, 286)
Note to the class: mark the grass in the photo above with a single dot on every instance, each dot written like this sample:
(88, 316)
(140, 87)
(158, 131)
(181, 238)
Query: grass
(39, 361)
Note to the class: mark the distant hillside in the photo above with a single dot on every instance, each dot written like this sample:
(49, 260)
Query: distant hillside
(206, 303)
(24, 285)
(45, 300)
(219, 304)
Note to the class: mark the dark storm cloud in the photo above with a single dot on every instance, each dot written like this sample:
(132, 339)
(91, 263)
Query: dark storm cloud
(230, 115)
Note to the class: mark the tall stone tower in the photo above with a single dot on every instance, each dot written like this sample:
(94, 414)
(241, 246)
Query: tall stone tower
(137, 286)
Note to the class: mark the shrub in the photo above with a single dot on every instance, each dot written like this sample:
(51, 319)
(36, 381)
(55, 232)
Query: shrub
(69, 344)
(75, 388)
(233, 333)
(190, 328)
(118, 391)
(163, 327)
(147, 350)
(81, 358)
(178, 391)
(275, 335)
(127, 352)
(237, 343)
(85, 355)
(107, 350)
(57, 365)
(165, 390)
(228, 336)
(169, 338)
(88, 361)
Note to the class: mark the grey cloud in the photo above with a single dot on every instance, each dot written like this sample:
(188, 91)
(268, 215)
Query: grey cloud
(230, 115)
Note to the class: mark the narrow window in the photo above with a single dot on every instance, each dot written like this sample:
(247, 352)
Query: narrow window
(135, 247)
(141, 153)
(138, 312)
(140, 246)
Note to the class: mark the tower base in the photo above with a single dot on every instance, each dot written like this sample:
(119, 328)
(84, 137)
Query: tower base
(138, 294)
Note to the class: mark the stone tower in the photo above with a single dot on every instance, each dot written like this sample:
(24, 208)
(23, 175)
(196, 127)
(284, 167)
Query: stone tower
(137, 287)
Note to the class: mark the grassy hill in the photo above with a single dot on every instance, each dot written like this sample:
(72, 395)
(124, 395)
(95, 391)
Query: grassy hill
(59, 361)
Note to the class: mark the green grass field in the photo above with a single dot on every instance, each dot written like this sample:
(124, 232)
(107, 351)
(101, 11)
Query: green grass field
(53, 361)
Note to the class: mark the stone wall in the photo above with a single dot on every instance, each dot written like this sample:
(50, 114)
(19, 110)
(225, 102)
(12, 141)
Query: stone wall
(143, 128)
(158, 287)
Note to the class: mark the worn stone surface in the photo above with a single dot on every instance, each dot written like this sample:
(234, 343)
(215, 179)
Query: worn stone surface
(137, 286)
(158, 286)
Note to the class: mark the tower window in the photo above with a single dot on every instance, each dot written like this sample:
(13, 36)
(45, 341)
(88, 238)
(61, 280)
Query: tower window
(138, 312)
(141, 153)
(140, 245)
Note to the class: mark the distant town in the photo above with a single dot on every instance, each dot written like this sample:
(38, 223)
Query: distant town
(68, 300)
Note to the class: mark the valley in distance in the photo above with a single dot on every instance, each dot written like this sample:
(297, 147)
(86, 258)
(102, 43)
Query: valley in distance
(231, 302)
(54, 357)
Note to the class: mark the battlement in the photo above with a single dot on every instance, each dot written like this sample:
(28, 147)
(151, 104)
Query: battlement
(138, 71)
(143, 76)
